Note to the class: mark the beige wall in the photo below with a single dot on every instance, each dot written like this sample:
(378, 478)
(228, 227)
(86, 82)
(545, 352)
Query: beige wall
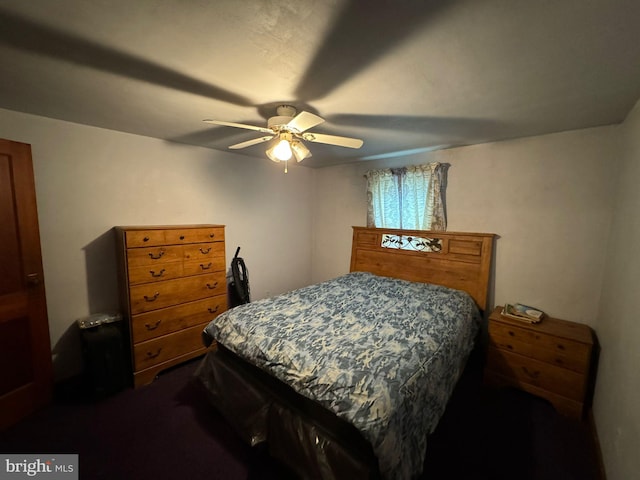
(617, 398)
(549, 198)
(89, 180)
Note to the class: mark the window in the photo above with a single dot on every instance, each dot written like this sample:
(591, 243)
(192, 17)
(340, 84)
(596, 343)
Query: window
(409, 197)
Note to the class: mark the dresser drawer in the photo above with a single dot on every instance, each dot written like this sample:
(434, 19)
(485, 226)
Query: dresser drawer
(203, 251)
(558, 351)
(146, 326)
(168, 270)
(143, 238)
(153, 255)
(208, 265)
(164, 263)
(543, 375)
(194, 235)
(152, 296)
(155, 273)
(167, 347)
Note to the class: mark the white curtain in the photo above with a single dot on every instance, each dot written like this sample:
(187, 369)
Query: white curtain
(410, 197)
(383, 198)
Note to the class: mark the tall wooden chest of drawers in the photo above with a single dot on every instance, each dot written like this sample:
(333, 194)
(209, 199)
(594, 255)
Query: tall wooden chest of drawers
(551, 359)
(172, 283)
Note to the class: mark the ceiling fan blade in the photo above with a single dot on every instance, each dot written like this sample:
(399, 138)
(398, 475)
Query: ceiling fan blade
(304, 121)
(239, 125)
(333, 140)
(248, 143)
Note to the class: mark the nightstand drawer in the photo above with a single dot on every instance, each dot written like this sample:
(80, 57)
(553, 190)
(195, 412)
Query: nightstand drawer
(526, 370)
(557, 351)
(567, 406)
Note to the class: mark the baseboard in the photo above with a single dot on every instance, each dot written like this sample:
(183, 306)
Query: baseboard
(602, 474)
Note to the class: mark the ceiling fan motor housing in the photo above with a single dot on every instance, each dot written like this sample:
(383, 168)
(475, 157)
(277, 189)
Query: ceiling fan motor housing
(284, 114)
(286, 111)
(278, 121)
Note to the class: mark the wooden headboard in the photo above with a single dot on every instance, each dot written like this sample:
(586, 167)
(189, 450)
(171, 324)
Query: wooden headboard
(453, 259)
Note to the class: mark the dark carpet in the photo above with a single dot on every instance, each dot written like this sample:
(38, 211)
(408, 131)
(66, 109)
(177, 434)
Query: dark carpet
(167, 430)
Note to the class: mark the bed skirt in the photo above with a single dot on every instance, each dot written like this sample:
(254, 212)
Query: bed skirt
(310, 440)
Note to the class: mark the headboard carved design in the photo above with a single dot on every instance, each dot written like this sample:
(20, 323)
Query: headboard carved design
(408, 242)
(453, 259)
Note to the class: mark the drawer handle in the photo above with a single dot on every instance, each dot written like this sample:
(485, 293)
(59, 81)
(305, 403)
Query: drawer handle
(153, 327)
(213, 310)
(211, 235)
(146, 239)
(156, 257)
(205, 251)
(206, 267)
(560, 346)
(151, 299)
(154, 355)
(533, 375)
(156, 275)
(181, 237)
(511, 334)
(211, 287)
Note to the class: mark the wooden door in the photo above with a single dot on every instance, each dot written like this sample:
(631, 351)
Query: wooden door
(26, 377)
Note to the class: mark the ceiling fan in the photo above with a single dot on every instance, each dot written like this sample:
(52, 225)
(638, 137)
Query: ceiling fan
(288, 131)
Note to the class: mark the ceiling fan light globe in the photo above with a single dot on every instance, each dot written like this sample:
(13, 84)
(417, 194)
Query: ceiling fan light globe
(282, 151)
(271, 155)
(300, 151)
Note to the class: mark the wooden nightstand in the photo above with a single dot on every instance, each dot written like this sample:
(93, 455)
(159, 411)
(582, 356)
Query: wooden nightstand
(551, 359)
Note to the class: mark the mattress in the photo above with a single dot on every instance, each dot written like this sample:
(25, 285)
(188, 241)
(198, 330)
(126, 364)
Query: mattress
(380, 353)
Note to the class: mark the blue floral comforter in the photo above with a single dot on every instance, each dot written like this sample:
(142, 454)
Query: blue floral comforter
(381, 353)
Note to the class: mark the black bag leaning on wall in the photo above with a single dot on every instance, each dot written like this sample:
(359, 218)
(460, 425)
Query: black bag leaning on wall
(238, 282)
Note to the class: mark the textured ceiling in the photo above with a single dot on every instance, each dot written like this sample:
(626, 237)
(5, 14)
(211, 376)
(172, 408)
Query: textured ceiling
(404, 75)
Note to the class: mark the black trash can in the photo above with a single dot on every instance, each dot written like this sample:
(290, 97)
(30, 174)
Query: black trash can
(104, 353)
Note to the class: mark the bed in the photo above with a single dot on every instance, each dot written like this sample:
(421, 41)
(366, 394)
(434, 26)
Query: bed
(348, 377)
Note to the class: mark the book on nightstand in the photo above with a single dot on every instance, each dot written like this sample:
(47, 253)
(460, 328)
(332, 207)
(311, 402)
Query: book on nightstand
(524, 313)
